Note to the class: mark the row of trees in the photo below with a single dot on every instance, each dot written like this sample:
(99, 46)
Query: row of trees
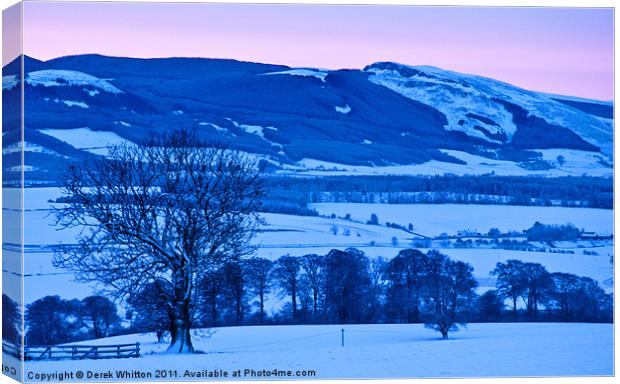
(340, 287)
(479, 189)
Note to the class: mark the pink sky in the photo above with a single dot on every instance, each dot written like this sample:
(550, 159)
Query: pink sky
(557, 50)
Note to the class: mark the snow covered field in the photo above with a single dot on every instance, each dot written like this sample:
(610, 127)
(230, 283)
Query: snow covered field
(434, 219)
(300, 235)
(406, 350)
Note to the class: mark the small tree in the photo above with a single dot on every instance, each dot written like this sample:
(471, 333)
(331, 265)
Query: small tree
(405, 274)
(347, 281)
(394, 241)
(374, 219)
(258, 278)
(539, 287)
(234, 290)
(314, 272)
(212, 290)
(494, 232)
(511, 281)
(170, 209)
(100, 315)
(286, 273)
(490, 306)
(152, 308)
(449, 293)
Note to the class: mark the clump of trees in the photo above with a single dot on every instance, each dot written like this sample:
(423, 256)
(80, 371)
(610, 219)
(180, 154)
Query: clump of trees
(562, 296)
(546, 232)
(53, 320)
(431, 288)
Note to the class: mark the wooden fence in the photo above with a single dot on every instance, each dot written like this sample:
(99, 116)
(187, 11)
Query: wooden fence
(75, 352)
(11, 349)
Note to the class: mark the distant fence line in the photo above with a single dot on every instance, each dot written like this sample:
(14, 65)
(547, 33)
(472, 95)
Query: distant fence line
(73, 352)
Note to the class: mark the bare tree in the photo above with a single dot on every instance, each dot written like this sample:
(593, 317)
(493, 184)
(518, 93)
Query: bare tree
(511, 281)
(170, 209)
(449, 293)
(100, 314)
(152, 308)
(314, 268)
(286, 272)
(257, 274)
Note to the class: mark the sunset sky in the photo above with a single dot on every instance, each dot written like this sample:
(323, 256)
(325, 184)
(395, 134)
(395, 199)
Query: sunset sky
(557, 50)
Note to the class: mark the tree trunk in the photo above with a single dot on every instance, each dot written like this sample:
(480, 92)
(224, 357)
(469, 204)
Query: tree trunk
(181, 341)
(262, 307)
(294, 300)
(315, 302)
(214, 310)
(444, 334)
(180, 328)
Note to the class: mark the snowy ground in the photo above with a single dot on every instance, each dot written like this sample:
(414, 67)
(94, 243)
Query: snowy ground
(374, 351)
(299, 235)
(433, 219)
(576, 163)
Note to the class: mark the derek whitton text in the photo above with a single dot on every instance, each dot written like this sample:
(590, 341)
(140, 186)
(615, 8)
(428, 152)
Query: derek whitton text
(165, 374)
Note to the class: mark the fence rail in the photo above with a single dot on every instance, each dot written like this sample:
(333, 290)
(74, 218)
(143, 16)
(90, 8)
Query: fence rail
(74, 352)
(11, 349)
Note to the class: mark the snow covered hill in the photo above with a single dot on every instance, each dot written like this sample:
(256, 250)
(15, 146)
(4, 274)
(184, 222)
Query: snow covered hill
(385, 115)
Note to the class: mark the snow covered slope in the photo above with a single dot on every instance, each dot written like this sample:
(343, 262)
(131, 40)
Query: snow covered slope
(473, 104)
(385, 115)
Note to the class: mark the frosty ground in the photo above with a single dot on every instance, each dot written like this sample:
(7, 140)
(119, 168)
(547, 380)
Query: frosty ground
(372, 351)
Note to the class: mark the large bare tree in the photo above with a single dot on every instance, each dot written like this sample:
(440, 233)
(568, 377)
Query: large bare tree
(170, 209)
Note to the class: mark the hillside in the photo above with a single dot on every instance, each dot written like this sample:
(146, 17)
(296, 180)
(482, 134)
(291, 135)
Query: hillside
(386, 114)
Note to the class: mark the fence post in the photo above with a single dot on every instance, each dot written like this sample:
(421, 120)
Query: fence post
(342, 338)
(73, 352)
(118, 351)
(137, 349)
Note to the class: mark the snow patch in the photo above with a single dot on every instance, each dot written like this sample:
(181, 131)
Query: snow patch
(60, 77)
(123, 123)
(301, 72)
(87, 139)
(344, 110)
(9, 82)
(91, 92)
(28, 147)
(25, 168)
(454, 99)
(71, 103)
(258, 130)
(215, 126)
